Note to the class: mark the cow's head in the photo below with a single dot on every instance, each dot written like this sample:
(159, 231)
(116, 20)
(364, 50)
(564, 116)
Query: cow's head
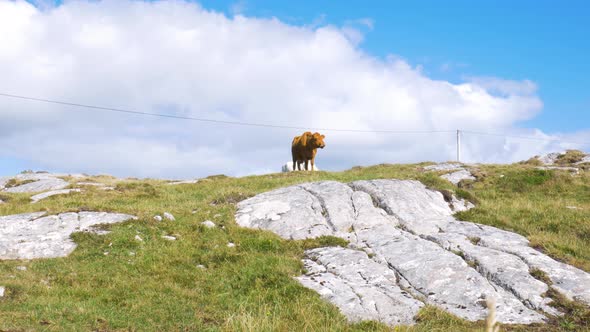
(317, 140)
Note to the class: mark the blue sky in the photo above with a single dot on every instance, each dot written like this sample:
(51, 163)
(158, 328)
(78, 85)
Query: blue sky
(305, 71)
(541, 40)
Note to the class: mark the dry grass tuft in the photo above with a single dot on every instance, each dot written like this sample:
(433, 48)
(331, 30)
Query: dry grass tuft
(570, 157)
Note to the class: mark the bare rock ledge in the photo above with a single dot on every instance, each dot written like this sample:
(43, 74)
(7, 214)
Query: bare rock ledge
(33, 235)
(406, 250)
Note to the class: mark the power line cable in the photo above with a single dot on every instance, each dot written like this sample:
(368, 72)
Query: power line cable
(523, 137)
(252, 124)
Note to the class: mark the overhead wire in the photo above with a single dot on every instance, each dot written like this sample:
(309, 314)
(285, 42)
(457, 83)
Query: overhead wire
(267, 125)
(239, 123)
(523, 137)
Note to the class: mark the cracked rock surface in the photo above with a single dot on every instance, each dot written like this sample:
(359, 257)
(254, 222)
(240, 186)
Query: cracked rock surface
(38, 197)
(406, 250)
(552, 158)
(457, 176)
(33, 235)
(459, 172)
(362, 288)
(35, 182)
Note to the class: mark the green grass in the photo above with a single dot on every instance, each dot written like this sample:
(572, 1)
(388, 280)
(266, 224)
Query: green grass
(115, 283)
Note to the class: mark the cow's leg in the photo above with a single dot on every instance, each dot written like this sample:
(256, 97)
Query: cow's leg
(306, 165)
(313, 159)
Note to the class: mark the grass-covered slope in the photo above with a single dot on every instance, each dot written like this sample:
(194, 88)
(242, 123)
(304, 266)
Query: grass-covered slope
(114, 282)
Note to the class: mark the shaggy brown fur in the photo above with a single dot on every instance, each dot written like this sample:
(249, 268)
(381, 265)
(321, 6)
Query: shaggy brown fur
(304, 149)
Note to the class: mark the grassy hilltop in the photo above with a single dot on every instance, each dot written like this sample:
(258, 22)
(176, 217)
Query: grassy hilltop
(114, 282)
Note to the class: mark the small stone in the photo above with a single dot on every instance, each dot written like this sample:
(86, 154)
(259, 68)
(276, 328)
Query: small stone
(208, 224)
(502, 175)
(571, 207)
(200, 266)
(2, 289)
(131, 253)
(217, 215)
(194, 211)
(168, 237)
(231, 245)
(106, 253)
(138, 238)
(169, 216)
(21, 268)
(158, 218)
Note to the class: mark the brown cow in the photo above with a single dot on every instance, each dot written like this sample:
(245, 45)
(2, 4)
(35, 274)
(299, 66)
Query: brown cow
(304, 148)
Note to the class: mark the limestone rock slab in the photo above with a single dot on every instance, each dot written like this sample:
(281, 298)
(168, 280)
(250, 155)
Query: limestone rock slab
(293, 213)
(550, 158)
(40, 182)
(457, 173)
(458, 176)
(444, 167)
(361, 288)
(38, 197)
(442, 278)
(3, 181)
(33, 235)
(409, 230)
(408, 200)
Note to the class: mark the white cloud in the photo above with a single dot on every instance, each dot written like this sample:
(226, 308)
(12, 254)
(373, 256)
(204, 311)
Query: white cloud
(177, 58)
(238, 7)
(365, 22)
(505, 87)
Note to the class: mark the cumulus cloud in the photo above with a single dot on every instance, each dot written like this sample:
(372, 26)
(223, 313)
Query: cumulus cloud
(178, 58)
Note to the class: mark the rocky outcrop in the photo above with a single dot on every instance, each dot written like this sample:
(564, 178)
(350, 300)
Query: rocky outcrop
(33, 235)
(458, 176)
(34, 182)
(361, 287)
(403, 229)
(444, 167)
(554, 158)
(550, 158)
(458, 172)
(38, 197)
